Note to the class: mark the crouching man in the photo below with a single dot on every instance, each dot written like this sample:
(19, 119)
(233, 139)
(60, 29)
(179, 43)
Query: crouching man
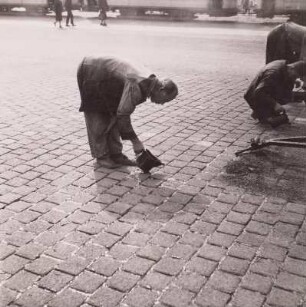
(110, 90)
(271, 89)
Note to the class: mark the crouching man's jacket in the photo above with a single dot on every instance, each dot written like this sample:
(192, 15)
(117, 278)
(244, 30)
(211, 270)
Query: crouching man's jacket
(112, 86)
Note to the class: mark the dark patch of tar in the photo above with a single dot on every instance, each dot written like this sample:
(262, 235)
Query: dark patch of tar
(273, 171)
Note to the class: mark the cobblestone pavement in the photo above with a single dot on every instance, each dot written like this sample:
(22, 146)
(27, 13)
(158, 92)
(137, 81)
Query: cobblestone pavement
(207, 229)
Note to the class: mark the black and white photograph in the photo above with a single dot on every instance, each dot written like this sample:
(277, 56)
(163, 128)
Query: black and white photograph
(153, 153)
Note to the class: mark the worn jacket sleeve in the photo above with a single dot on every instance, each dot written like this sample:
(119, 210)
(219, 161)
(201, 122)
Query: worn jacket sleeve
(131, 96)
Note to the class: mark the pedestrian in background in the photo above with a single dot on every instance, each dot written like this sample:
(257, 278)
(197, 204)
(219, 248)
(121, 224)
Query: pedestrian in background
(111, 89)
(103, 8)
(68, 7)
(58, 9)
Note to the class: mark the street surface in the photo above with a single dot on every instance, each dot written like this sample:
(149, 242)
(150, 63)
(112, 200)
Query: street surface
(207, 229)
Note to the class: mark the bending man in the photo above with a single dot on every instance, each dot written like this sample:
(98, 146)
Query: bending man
(110, 90)
(272, 88)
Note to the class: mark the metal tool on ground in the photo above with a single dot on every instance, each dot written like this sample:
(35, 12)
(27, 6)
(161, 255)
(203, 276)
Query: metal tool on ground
(257, 143)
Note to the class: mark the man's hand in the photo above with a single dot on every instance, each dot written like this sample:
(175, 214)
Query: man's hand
(137, 146)
(279, 109)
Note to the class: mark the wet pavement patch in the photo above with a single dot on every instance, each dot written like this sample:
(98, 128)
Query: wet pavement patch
(273, 171)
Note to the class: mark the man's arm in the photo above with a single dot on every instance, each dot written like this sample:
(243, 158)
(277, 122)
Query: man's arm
(130, 96)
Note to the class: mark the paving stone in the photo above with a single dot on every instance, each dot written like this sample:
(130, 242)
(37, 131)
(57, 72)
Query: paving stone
(79, 217)
(212, 252)
(105, 296)
(282, 298)
(274, 252)
(138, 266)
(19, 238)
(54, 216)
(106, 266)
(292, 218)
(239, 218)
(91, 228)
(73, 265)
(181, 251)
(122, 251)
(105, 217)
(88, 282)
(123, 281)
(296, 251)
(118, 207)
(42, 265)
(38, 226)
(27, 216)
(152, 252)
(6, 250)
(301, 238)
(118, 228)
(91, 251)
(185, 218)
(256, 282)
(295, 266)
(175, 228)
(169, 266)
(34, 297)
(265, 267)
(13, 264)
(287, 229)
(177, 297)
(291, 282)
(209, 297)
(67, 298)
(190, 281)
(192, 238)
(7, 296)
(251, 239)
(55, 281)
(221, 239)
(136, 239)
(140, 297)
(246, 298)
(203, 228)
(243, 207)
(266, 217)
(223, 282)
(164, 239)
(230, 228)
(77, 238)
(234, 265)
(61, 250)
(202, 266)
(155, 280)
(195, 208)
(258, 228)
(106, 239)
(21, 281)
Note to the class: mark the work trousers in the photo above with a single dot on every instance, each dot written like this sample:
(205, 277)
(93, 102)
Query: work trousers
(103, 135)
(69, 17)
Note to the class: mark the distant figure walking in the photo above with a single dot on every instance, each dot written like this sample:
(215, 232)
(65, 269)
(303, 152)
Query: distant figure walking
(58, 9)
(103, 8)
(68, 7)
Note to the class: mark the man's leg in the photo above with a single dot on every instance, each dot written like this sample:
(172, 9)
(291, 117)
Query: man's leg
(97, 124)
(115, 148)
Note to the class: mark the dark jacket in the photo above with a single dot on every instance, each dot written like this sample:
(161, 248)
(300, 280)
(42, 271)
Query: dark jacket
(285, 42)
(112, 86)
(273, 82)
(58, 9)
(103, 5)
(68, 5)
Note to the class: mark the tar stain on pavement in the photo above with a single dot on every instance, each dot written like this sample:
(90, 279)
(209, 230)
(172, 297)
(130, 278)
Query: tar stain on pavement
(273, 171)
